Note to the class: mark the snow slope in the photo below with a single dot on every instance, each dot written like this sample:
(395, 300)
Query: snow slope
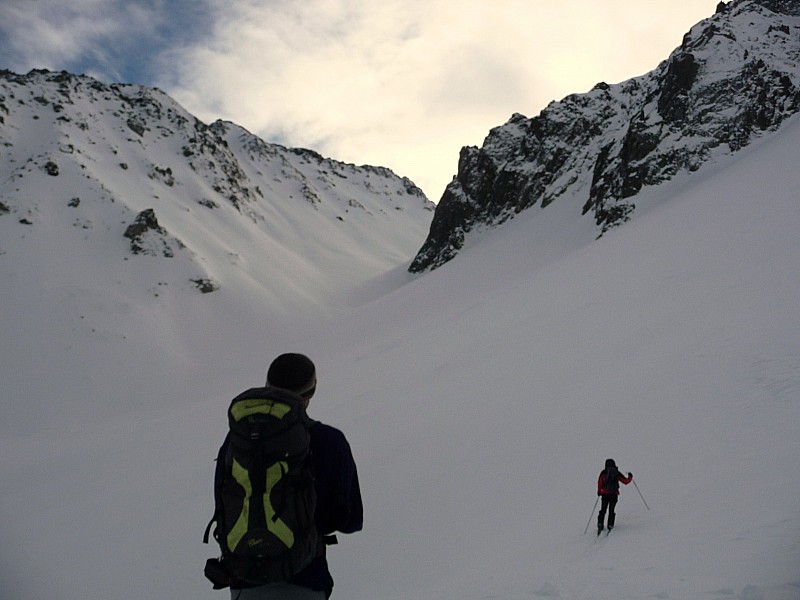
(480, 401)
(671, 346)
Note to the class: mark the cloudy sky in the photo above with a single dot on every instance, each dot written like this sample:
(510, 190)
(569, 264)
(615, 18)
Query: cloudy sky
(396, 83)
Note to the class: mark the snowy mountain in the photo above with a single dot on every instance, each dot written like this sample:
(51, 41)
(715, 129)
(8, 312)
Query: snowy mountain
(480, 399)
(734, 78)
(126, 168)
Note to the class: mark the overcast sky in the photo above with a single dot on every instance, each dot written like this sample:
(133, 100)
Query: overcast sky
(397, 83)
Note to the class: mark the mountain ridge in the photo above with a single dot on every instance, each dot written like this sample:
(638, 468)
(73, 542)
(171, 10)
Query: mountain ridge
(735, 76)
(127, 161)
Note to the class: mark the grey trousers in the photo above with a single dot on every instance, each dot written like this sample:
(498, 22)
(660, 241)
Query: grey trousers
(277, 591)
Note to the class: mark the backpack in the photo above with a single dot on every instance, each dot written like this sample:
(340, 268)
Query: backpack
(611, 483)
(264, 493)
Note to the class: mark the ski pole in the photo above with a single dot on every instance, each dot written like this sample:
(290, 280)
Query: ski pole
(591, 515)
(640, 494)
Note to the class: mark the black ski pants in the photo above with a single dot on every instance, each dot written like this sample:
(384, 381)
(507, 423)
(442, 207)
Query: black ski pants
(608, 503)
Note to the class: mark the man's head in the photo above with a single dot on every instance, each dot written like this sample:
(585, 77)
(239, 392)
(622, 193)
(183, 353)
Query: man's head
(293, 372)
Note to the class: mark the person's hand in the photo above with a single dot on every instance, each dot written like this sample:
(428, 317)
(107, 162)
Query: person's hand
(630, 474)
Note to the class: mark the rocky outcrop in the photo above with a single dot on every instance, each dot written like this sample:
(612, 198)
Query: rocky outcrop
(148, 237)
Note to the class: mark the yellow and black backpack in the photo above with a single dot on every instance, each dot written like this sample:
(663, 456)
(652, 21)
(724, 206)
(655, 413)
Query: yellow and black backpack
(264, 492)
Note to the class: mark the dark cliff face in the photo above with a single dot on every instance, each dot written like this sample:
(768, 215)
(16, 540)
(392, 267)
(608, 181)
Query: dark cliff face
(735, 76)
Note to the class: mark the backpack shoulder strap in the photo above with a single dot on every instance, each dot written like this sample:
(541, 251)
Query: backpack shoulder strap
(220, 460)
(208, 528)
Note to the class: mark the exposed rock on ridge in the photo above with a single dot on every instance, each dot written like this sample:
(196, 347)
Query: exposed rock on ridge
(735, 76)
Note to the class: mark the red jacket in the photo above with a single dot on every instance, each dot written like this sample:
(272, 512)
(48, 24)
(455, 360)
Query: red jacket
(601, 483)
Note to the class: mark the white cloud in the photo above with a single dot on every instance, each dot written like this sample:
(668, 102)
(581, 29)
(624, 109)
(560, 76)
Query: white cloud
(406, 83)
(397, 83)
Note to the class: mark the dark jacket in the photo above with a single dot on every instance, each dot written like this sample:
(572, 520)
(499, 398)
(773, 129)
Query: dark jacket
(339, 506)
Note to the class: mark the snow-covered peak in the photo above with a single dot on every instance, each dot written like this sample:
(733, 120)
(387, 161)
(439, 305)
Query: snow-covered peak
(735, 77)
(123, 169)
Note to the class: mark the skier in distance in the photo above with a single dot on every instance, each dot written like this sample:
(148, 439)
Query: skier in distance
(608, 490)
